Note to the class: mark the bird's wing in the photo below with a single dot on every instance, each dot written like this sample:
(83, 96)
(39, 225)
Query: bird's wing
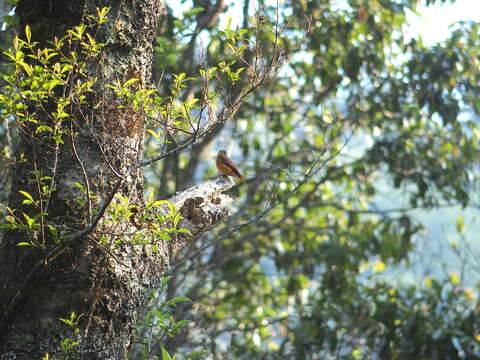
(232, 166)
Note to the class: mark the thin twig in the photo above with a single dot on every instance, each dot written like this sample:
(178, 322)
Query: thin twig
(85, 176)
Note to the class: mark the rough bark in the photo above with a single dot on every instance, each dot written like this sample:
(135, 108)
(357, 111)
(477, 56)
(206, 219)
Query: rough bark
(107, 285)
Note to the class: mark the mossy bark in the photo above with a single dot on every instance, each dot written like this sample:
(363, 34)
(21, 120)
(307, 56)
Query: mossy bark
(106, 286)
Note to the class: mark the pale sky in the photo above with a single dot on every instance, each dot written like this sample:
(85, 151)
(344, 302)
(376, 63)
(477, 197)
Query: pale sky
(433, 22)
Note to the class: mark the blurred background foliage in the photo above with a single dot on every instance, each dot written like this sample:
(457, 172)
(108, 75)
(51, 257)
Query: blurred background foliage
(358, 117)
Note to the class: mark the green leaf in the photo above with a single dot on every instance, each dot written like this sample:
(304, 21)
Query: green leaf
(30, 221)
(28, 33)
(67, 321)
(197, 354)
(26, 194)
(460, 224)
(176, 300)
(194, 11)
(79, 185)
(454, 279)
(165, 354)
(153, 133)
(180, 323)
(24, 244)
(39, 215)
(28, 69)
(130, 82)
(183, 231)
(357, 354)
(43, 128)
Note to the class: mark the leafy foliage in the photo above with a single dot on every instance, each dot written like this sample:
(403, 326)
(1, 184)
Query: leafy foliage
(45, 88)
(357, 114)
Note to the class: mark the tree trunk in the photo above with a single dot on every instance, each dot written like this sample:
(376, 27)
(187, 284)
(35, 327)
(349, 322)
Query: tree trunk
(95, 271)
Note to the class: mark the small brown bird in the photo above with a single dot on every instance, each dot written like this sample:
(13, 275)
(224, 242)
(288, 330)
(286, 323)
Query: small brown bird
(226, 166)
